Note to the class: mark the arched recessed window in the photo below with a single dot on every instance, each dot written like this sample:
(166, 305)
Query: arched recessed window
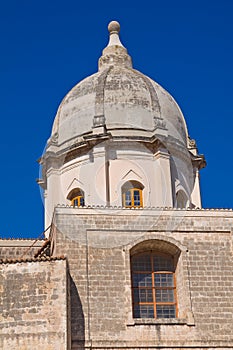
(181, 199)
(76, 197)
(153, 285)
(132, 194)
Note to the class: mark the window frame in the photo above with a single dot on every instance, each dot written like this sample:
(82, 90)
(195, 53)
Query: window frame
(76, 194)
(131, 187)
(153, 287)
(133, 205)
(78, 198)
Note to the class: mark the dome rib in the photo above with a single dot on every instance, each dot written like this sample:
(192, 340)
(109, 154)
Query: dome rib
(159, 122)
(154, 97)
(99, 117)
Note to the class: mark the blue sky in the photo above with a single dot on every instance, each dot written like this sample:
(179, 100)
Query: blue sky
(48, 46)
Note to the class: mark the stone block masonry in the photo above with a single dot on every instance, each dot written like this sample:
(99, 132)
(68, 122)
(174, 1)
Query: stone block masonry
(34, 304)
(98, 244)
(18, 248)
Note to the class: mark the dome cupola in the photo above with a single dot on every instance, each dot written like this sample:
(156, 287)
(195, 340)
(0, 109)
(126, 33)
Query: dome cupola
(117, 99)
(121, 127)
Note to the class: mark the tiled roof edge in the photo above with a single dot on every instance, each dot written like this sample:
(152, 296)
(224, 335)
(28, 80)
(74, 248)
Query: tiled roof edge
(23, 260)
(21, 239)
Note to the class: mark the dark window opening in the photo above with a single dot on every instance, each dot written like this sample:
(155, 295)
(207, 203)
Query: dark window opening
(153, 285)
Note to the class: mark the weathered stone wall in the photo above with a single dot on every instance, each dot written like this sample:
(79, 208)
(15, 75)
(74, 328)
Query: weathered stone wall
(19, 248)
(33, 302)
(98, 243)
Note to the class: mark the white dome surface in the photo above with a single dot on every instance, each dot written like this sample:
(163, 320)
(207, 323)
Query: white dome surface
(122, 99)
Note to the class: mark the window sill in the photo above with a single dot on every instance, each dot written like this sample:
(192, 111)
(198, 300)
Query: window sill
(161, 321)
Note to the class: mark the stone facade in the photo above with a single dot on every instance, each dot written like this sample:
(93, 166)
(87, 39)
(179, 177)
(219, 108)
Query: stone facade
(99, 242)
(87, 304)
(34, 305)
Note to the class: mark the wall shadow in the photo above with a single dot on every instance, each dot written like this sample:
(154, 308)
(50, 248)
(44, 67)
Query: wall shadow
(77, 324)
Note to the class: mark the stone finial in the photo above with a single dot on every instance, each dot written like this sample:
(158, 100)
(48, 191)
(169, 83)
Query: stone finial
(115, 54)
(114, 27)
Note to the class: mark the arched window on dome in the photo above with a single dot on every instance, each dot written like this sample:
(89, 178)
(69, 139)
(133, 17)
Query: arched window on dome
(132, 194)
(153, 285)
(76, 197)
(181, 199)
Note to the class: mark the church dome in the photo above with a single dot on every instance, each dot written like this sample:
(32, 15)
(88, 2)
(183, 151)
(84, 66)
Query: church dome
(119, 100)
(119, 140)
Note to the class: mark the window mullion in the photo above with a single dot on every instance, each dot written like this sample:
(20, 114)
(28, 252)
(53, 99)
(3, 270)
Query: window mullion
(124, 199)
(153, 284)
(132, 196)
(175, 295)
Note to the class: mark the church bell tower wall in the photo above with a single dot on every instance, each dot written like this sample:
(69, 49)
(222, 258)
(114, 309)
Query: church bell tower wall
(100, 244)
